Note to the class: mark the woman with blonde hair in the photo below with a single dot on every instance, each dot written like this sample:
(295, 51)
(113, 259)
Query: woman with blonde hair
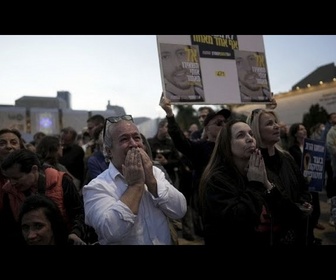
(282, 170)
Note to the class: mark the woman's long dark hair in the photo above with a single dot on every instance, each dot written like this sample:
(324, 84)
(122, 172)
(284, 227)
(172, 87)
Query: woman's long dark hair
(221, 154)
(51, 211)
(47, 150)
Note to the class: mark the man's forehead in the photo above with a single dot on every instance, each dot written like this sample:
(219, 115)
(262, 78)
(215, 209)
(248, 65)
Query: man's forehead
(205, 110)
(8, 135)
(125, 127)
(218, 117)
(215, 119)
(92, 124)
(172, 48)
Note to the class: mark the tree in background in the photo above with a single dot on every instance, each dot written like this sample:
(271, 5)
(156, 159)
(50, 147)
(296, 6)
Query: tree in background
(315, 115)
(185, 116)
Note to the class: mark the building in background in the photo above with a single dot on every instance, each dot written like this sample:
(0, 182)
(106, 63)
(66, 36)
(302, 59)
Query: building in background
(31, 114)
(323, 74)
(319, 87)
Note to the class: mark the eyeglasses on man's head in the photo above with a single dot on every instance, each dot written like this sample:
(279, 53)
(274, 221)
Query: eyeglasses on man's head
(115, 119)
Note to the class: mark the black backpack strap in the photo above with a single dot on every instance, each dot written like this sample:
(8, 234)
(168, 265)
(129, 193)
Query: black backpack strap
(41, 184)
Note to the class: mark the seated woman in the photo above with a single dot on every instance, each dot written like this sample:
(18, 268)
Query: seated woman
(42, 222)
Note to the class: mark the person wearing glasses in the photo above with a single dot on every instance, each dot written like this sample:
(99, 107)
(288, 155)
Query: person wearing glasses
(198, 152)
(202, 113)
(284, 172)
(130, 203)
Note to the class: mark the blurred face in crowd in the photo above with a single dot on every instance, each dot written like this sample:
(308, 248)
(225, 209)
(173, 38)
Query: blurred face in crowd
(67, 139)
(333, 118)
(36, 228)
(163, 131)
(321, 127)
(38, 137)
(9, 142)
(214, 126)
(20, 180)
(92, 127)
(192, 128)
(301, 132)
(283, 129)
(202, 115)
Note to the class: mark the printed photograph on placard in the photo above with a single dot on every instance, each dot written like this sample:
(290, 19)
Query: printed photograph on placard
(252, 76)
(181, 72)
(313, 163)
(216, 46)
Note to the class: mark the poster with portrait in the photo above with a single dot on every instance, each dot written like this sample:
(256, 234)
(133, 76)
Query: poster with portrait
(252, 76)
(313, 163)
(181, 73)
(213, 69)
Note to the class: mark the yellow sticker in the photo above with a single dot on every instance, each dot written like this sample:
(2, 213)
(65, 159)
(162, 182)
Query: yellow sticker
(220, 73)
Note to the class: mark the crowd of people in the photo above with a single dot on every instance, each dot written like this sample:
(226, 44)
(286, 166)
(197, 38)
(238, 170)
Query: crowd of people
(224, 181)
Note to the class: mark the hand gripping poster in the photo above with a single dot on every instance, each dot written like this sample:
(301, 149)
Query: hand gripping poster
(213, 69)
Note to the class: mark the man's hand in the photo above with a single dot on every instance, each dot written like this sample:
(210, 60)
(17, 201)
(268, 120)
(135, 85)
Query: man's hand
(133, 169)
(166, 106)
(150, 180)
(272, 105)
(75, 239)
